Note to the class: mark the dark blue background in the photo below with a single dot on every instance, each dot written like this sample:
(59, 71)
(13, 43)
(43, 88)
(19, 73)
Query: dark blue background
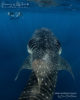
(14, 36)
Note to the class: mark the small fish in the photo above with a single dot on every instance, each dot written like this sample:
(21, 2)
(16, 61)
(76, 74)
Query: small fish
(45, 3)
(45, 62)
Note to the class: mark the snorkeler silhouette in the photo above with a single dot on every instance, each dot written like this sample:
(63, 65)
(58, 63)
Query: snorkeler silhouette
(14, 15)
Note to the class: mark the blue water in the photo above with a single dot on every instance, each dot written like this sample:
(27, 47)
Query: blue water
(14, 36)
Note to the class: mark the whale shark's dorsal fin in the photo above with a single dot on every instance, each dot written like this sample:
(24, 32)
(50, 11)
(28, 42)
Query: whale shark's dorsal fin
(26, 65)
(64, 65)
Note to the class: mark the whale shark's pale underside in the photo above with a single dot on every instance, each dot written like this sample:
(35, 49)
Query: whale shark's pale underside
(45, 62)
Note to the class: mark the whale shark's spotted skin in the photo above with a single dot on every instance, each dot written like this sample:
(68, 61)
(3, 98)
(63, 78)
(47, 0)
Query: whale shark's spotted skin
(45, 62)
(46, 91)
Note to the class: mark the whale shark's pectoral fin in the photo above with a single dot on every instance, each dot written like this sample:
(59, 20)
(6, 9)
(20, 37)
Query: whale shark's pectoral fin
(64, 65)
(26, 65)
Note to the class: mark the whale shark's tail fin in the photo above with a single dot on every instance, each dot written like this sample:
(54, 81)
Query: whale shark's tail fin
(64, 65)
(26, 65)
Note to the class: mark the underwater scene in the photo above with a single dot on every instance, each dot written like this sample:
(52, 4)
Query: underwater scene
(39, 49)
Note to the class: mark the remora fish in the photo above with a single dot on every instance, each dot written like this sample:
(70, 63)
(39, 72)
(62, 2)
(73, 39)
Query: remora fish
(45, 62)
(45, 3)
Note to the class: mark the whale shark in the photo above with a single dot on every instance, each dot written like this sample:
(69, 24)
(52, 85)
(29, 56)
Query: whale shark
(45, 61)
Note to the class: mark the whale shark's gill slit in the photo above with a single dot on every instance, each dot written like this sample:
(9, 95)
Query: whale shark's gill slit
(32, 44)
